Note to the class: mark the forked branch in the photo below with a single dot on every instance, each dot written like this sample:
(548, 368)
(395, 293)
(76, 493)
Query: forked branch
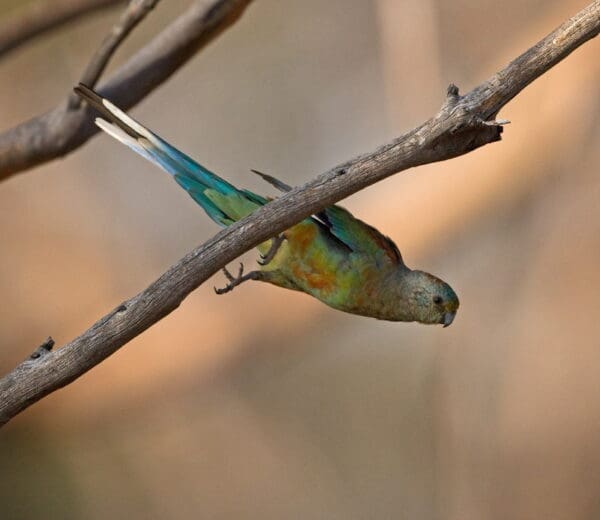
(68, 126)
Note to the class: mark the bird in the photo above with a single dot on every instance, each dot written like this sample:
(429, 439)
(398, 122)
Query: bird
(333, 256)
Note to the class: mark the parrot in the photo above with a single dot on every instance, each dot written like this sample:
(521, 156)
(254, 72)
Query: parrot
(331, 255)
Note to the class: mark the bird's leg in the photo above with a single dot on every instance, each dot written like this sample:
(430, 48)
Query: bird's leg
(275, 245)
(234, 281)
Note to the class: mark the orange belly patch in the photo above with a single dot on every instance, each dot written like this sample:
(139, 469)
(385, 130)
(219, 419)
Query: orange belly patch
(300, 237)
(323, 281)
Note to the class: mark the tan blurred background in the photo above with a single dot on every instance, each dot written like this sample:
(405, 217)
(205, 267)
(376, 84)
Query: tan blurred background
(265, 404)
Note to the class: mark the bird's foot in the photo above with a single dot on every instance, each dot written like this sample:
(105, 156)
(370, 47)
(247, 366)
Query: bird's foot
(275, 245)
(234, 281)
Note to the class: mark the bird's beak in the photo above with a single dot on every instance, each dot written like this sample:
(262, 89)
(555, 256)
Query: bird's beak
(448, 318)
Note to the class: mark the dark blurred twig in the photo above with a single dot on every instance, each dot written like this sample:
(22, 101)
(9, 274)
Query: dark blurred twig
(462, 124)
(65, 128)
(43, 16)
(136, 11)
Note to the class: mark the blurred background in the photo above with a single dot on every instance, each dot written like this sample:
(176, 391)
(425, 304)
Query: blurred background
(265, 403)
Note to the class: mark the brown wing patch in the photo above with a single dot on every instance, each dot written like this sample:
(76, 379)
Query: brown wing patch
(385, 243)
(357, 235)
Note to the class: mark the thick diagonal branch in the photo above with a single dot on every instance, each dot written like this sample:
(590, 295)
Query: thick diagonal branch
(462, 124)
(67, 127)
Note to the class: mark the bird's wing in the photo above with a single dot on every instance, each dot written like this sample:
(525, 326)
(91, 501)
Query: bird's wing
(354, 233)
(358, 235)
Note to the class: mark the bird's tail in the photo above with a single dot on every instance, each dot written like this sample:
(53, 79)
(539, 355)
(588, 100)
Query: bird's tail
(222, 201)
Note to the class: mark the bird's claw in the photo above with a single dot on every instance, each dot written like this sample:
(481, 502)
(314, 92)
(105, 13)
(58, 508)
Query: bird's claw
(234, 281)
(275, 245)
(232, 278)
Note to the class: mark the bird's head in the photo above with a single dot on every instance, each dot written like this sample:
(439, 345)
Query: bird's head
(430, 300)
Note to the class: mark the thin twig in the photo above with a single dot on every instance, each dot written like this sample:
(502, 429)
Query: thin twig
(41, 17)
(63, 129)
(136, 11)
(456, 129)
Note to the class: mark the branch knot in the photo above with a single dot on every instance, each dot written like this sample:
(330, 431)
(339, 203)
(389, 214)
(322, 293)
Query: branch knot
(43, 349)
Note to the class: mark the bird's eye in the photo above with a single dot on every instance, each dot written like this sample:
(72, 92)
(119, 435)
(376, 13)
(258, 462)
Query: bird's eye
(437, 300)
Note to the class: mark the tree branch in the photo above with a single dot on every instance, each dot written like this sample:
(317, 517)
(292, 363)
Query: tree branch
(65, 128)
(136, 11)
(461, 125)
(42, 17)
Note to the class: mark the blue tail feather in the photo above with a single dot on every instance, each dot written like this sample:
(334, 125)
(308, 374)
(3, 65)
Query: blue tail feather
(190, 175)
